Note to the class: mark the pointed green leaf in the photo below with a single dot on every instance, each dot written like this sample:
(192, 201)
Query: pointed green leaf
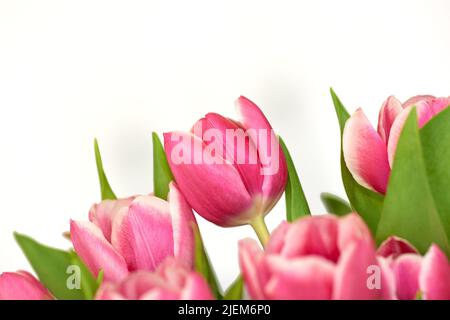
(105, 188)
(364, 201)
(51, 266)
(161, 170)
(435, 137)
(296, 203)
(203, 264)
(236, 289)
(409, 209)
(335, 204)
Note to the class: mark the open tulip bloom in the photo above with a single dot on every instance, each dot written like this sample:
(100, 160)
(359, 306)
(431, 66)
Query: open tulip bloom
(390, 240)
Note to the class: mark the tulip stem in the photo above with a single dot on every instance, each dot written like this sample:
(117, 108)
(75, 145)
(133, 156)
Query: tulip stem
(261, 230)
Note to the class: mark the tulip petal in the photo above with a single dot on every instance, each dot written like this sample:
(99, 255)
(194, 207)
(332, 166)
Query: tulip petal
(426, 110)
(406, 270)
(236, 147)
(103, 213)
(352, 228)
(215, 191)
(183, 221)
(355, 268)
(308, 278)
(394, 246)
(270, 153)
(389, 111)
(434, 279)
(312, 236)
(144, 235)
(277, 238)
(196, 288)
(22, 286)
(388, 282)
(365, 153)
(96, 252)
(414, 100)
(250, 258)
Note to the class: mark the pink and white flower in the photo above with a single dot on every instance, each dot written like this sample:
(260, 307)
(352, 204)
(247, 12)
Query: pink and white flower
(137, 233)
(317, 257)
(172, 280)
(369, 153)
(22, 285)
(229, 183)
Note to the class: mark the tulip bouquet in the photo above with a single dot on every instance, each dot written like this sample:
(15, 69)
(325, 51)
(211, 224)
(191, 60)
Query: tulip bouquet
(389, 240)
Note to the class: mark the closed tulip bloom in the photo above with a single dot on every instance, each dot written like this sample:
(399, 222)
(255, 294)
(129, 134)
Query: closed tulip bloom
(317, 257)
(369, 153)
(137, 233)
(231, 172)
(171, 281)
(427, 277)
(22, 285)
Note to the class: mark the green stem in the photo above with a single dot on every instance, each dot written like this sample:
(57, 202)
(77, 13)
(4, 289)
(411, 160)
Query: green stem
(261, 229)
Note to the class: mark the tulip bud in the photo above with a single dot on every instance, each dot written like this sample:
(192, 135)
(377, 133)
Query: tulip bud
(231, 172)
(22, 285)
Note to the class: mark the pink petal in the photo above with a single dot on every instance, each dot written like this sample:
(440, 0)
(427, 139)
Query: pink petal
(277, 238)
(145, 235)
(352, 228)
(21, 286)
(274, 180)
(227, 136)
(394, 246)
(406, 270)
(103, 213)
(388, 283)
(426, 110)
(414, 100)
(215, 191)
(250, 258)
(356, 264)
(196, 288)
(308, 278)
(312, 236)
(365, 153)
(434, 279)
(389, 111)
(96, 252)
(183, 221)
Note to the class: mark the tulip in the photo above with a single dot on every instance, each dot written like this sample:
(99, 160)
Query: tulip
(427, 277)
(137, 233)
(317, 257)
(171, 281)
(22, 285)
(229, 183)
(369, 154)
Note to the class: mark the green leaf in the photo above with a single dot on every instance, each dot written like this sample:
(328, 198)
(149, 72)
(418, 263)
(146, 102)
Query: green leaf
(89, 284)
(364, 201)
(296, 203)
(236, 289)
(435, 137)
(335, 204)
(203, 264)
(105, 188)
(409, 208)
(51, 266)
(161, 170)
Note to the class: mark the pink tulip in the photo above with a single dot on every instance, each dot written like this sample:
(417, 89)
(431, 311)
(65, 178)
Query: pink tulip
(317, 257)
(428, 276)
(171, 281)
(229, 183)
(135, 234)
(369, 154)
(22, 285)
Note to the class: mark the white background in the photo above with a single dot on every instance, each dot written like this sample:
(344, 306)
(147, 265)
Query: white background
(74, 70)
